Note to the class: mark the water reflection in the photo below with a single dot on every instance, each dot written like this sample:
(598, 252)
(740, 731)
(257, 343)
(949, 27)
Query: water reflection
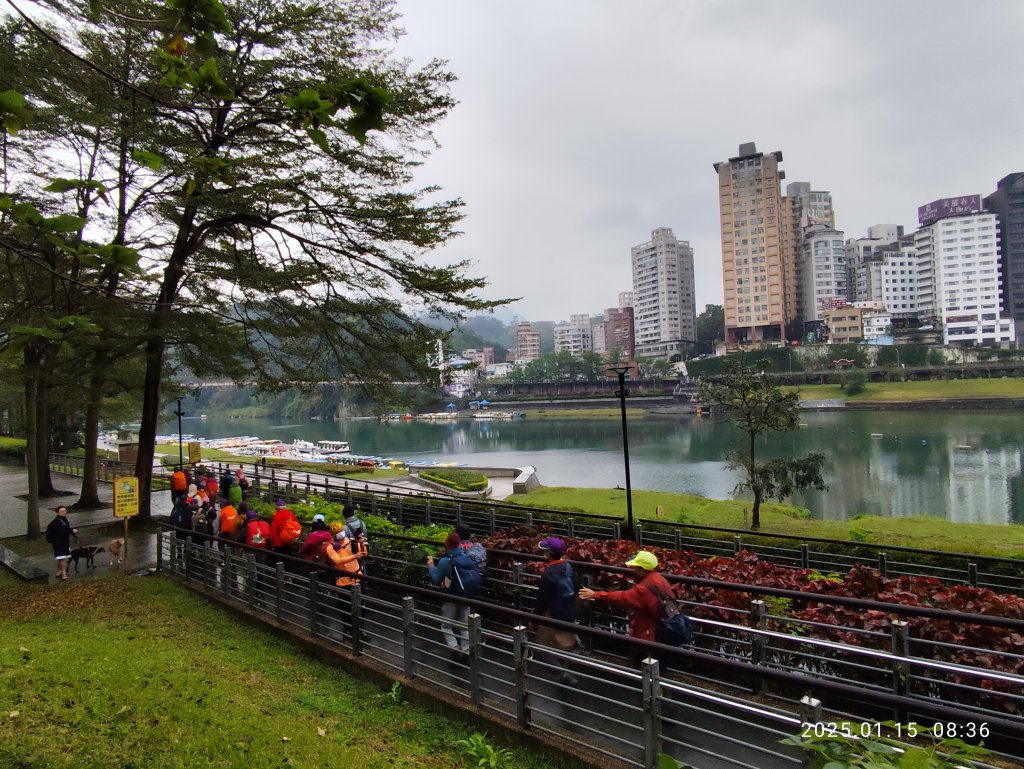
(964, 466)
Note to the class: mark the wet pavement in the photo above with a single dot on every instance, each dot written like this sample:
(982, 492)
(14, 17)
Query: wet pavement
(95, 527)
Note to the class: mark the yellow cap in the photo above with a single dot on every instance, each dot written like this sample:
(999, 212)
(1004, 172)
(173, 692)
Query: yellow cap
(645, 560)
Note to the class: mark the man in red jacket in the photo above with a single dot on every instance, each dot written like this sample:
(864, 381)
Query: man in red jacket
(640, 600)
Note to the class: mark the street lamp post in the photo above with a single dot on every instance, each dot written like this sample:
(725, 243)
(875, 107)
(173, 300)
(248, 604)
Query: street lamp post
(621, 393)
(179, 414)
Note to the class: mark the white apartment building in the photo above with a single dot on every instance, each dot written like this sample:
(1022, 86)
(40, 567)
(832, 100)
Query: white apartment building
(823, 269)
(664, 304)
(959, 273)
(876, 321)
(574, 336)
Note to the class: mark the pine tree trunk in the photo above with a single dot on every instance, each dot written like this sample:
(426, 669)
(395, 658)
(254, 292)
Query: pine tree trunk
(89, 498)
(31, 455)
(44, 481)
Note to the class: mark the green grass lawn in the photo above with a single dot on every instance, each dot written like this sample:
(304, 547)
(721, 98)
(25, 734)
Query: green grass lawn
(608, 413)
(927, 533)
(911, 391)
(136, 672)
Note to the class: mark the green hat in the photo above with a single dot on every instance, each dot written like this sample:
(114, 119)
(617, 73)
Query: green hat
(645, 560)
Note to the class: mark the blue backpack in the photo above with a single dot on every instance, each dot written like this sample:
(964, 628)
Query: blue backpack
(466, 576)
(674, 628)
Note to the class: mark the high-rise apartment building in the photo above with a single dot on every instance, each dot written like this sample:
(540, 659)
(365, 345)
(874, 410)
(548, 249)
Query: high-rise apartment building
(753, 263)
(574, 336)
(802, 209)
(527, 342)
(959, 272)
(664, 302)
(823, 260)
(1007, 203)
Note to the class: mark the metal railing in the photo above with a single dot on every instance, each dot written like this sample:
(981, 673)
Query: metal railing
(817, 553)
(485, 517)
(611, 709)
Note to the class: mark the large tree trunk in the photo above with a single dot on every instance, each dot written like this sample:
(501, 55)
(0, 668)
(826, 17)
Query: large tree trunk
(89, 499)
(755, 514)
(31, 438)
(150, 417)
(44, 481)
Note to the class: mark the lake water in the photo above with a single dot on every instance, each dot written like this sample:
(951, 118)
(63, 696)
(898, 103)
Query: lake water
(959, 465)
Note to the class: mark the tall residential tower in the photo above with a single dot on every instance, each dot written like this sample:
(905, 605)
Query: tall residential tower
(664, 302)
(753, 261)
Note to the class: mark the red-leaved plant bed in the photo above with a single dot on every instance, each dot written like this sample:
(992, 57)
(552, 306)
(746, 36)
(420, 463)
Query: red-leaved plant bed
(860, 582)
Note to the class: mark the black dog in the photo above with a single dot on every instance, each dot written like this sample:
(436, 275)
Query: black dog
(88, 553)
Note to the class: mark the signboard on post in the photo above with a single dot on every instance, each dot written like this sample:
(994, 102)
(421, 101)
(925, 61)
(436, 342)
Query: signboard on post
(195, 452)
(126, 505)
(126, 497)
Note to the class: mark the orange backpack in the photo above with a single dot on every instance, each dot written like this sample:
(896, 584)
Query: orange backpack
(290, 531)
(228, 519)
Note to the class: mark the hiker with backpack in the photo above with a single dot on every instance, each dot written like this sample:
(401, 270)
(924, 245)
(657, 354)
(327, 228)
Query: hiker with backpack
(346, 555)
(556, 598)
(313, 545)
(458, 575)
(284, 530)
(641, 601)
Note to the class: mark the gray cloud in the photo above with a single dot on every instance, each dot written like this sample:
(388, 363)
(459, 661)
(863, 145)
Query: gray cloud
(584, 124)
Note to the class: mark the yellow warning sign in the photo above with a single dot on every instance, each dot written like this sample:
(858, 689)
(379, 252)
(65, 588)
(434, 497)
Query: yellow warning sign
(126, 497)
(195, 452)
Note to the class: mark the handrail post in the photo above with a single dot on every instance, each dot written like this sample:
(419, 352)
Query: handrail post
(638, 528)
(758, 621)
(678, 538)
(491, 521)
(972, 574)
(883, 564)
(356, 606)
(207, 563)
(651, 711)
(187, 552)
(475, 632)
(458, 513)
(426, 513)
(737, 544)
(529, 519)
(314, 601)
(517, 585)
(570, 527)
(805, 556)
(617, 530)
(409, 636)
(398, 512)
(900, 631)
(279, 591)
(810, 713)
(520, 647)
(307, 487)
(250, 582)
(226, 578)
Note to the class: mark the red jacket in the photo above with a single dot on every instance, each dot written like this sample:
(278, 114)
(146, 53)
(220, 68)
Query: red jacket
(277, 523)
(642, 605)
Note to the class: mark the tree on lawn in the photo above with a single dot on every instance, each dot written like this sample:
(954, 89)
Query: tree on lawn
(754, 402)
(273, 188)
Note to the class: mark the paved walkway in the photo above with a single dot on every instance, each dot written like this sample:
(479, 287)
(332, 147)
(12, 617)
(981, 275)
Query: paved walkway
(95, 527)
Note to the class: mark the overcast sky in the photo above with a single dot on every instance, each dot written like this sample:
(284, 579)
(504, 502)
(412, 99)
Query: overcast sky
(584, 124)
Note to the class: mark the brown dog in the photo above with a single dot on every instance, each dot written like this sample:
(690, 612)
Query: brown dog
(116, 547)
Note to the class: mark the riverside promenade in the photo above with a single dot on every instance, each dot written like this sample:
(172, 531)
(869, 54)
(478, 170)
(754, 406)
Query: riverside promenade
(95, 527)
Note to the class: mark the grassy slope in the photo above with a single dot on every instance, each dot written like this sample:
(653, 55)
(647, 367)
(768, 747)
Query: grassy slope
(134, 671)
(910, 391)
(928, 533)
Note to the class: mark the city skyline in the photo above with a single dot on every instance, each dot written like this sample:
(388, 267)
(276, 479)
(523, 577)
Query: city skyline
(583, 126)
